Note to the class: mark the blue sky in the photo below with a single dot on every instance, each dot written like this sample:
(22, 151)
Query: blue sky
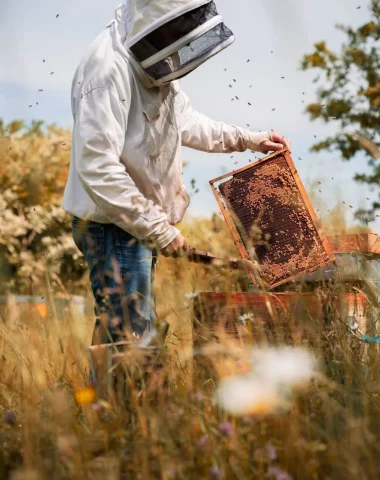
(31, 33)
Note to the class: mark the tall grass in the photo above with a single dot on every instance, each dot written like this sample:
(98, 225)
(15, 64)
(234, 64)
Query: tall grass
(174, 428)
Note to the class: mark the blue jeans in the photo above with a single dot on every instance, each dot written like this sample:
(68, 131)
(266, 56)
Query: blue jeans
(121, 275)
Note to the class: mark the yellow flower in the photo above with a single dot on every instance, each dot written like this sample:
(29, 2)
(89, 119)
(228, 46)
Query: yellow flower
(85, 396)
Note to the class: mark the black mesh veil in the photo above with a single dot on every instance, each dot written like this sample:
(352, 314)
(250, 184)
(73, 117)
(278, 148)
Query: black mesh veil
(172, 31)
(194, 51)
(198, 49)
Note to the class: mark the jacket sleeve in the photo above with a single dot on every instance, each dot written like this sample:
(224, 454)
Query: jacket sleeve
(99, 134)
(201, 133)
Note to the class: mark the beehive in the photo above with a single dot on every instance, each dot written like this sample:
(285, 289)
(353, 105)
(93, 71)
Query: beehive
(258, 316)
(219, 314)
(270, 216)
(357, 270)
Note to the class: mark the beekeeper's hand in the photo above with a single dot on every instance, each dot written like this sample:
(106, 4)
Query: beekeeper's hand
(276, 142)
(175, 249)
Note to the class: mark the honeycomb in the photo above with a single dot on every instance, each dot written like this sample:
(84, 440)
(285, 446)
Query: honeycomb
(273, 216)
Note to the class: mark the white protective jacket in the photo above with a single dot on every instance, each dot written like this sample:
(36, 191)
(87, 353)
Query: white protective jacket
(126, 160)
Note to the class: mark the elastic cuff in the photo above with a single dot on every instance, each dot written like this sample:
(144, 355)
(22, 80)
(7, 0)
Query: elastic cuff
(256, 139)
(167, 237)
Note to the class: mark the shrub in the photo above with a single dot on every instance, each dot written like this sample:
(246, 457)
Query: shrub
(34, 230)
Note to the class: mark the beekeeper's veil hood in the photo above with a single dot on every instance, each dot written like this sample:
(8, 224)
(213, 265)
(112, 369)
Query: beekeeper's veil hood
(170, 38)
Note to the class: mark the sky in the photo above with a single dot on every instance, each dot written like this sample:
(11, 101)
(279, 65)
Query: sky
(272, 34)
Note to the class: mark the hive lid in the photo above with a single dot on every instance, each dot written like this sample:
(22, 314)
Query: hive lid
(365, 243)
(357, 260)
(271, 218)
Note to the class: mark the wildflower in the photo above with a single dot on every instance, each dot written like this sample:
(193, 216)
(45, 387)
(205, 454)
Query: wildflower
(246, 318)
(271, 451)
(352, 323)
(198, 396)
(244, 394)
(284, 366)
(226, 428)
(85, 396)
(10, 418)
(97, 408)
(191, 295)
(246, 420)
(278, 474)
(266, 389)
(101, 407)
(203, 442)
(215, 473)
(171, 472)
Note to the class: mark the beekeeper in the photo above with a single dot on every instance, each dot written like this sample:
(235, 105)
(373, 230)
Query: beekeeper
(131, 118)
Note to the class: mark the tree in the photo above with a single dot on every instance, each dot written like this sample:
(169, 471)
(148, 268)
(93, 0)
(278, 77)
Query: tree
(349, 93)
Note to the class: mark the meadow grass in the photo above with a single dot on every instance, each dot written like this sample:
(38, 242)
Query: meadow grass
(174, 428)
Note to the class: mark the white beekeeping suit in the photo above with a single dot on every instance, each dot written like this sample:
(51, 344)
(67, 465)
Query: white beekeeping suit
(131, 117)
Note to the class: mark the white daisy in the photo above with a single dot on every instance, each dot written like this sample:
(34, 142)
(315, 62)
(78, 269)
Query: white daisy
(244, 395)
(284, 366)
(246, 318)
(275, 372)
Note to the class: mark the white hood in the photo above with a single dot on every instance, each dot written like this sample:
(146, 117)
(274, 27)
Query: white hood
(170, 38)
(143, 16)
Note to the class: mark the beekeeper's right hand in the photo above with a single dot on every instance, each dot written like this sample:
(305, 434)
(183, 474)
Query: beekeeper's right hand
(275, 143)
(176, 248)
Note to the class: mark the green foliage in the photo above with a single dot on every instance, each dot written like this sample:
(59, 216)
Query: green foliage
(349, 93)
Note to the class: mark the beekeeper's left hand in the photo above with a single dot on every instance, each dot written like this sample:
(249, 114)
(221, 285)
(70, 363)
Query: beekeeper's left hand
(276, 142)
